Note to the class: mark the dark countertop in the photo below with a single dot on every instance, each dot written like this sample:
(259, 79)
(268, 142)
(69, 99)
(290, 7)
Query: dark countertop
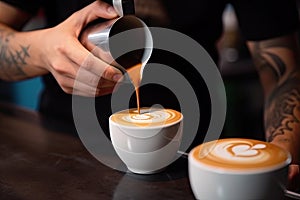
(38, 161)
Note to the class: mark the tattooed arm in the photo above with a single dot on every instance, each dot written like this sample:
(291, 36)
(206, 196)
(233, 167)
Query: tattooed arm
(56, 50)
(14, 51)
(277, 61)
(14, 57)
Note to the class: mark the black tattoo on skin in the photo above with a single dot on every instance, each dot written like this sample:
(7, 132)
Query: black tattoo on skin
(283, 108)
(279, 67)
(261, 60)
(13, 60)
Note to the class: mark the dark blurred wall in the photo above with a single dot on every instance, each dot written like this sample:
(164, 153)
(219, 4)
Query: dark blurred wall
(244, 92)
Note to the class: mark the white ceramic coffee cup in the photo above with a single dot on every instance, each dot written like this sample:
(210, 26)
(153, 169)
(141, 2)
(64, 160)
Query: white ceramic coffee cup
(149, 148)
(238, 169)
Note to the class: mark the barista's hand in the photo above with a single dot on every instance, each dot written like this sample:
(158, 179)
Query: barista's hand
(76, 70)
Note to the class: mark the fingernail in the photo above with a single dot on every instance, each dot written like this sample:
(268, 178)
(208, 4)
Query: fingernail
(111, 10)
(117, 77)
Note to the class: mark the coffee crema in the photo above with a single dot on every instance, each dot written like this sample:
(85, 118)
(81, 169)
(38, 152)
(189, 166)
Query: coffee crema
(148, 117)
(240, 155)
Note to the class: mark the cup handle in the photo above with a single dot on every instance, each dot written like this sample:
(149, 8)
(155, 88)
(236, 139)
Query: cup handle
(291, 194)
(183, 154)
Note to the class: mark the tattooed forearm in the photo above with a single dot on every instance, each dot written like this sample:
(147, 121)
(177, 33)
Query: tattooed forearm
(283, 108)
(279, 67)
(13, 60)
(277, 61)
(268, 61)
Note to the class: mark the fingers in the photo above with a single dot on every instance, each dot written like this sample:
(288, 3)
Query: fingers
(90, 63)
(89, 91)
(95, 10)
(88, 84)
(103, 86)
(101, 69)
(93, 80)
(76, 79)
(75, 87)
(103, 10)
(75, 68)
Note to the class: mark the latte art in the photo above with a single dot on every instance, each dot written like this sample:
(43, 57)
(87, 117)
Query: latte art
(147, 117)
(241, 154)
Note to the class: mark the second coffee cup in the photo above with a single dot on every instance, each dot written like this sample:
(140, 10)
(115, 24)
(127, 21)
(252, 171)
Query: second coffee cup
(237, 169)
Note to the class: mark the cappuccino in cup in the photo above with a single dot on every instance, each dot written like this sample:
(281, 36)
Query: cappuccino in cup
(238, 169)
(146, 142)
(148, 117)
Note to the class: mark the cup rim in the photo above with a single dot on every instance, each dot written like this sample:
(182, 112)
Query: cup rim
(180, 120)
(223, 170)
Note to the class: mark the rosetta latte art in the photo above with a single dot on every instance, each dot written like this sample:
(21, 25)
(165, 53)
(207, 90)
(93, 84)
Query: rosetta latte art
(147, 117)
(240, 154)
(242, 150)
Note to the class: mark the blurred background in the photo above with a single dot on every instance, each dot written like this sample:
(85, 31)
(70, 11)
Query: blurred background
(244, 93)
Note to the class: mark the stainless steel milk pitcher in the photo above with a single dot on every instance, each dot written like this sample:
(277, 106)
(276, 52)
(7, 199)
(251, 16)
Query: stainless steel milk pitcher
(122, 42)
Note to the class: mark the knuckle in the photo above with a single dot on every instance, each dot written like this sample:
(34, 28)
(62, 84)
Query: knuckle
(88, 64)
(65, 85)
(94, 80)
(59, 67)
(107, 73)
(61, 48)
(64, 46)
(67, 90)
